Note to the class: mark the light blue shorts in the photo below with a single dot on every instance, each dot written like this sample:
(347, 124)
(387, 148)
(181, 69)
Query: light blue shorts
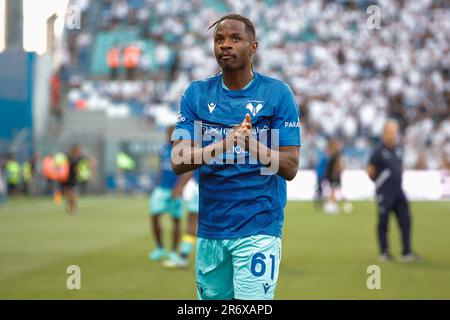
(244, 268)
(161, 201)
(193, 203)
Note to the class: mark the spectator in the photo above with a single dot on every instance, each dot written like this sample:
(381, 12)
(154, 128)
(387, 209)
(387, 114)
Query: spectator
(13, 174)
(3, 184)
(113, 60)
(347, 77)
(132, 55)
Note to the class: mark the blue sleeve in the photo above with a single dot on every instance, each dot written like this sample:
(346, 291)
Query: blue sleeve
(184, 129)
(320, 169)
(286, 119)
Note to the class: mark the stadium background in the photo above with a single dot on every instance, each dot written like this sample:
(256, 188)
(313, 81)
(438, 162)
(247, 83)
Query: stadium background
(56, 90)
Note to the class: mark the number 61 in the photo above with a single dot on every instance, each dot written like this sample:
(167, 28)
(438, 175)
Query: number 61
(260, 259)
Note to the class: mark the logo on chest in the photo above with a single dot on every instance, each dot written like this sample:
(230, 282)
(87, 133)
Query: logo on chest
(254, 109)
(253, 106)
(211, 107)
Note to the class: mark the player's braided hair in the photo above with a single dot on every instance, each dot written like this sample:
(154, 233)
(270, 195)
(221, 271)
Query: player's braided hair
(249, 26)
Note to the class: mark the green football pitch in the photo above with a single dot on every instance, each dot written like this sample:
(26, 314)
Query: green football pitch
(323, 256)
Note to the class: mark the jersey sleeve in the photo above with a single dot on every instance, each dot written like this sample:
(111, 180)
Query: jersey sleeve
(184, 128)
(286, 119)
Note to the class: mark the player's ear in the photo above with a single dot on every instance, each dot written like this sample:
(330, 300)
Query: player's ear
(253, 47)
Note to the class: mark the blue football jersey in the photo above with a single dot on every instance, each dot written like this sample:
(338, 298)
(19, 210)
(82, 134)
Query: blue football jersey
(197, 176)
(168, 177)
(236, 199)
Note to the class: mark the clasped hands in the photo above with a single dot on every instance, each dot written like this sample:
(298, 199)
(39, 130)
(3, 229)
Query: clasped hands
(242, 133)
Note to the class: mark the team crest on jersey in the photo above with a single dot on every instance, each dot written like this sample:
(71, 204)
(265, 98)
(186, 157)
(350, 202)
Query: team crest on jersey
(254, 109)
(211, 107)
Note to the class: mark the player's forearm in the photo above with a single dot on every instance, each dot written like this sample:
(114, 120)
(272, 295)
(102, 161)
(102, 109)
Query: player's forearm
(183, 180)
(288, 165)
(183, 156)
(285, 162)
(177, 191)
(187, 158)
(184, 162)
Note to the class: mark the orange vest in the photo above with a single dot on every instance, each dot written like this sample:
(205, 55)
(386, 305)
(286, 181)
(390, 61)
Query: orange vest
(131, 56)
(49, 168)
(113, 58)
(63, 171)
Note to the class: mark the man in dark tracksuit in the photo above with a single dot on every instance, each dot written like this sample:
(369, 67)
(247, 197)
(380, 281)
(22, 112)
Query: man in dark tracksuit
(385, 169)
(69, 187)
(320, 173)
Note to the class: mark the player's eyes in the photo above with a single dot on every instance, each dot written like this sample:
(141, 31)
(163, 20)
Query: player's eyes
(234, 39)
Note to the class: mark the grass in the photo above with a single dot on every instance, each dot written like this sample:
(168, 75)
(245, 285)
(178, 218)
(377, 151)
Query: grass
(323, 257)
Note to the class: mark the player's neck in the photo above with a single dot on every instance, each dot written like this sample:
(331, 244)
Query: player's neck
(237, 80)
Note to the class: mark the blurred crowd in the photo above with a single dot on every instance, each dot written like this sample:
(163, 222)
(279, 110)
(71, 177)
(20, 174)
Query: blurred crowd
(348, 78)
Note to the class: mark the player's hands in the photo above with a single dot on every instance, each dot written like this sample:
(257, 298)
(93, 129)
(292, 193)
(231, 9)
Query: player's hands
(241, 133)
(247, 123)
(244, 129)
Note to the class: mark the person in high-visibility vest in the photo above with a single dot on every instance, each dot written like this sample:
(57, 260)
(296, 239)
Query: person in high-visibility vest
(62, 168)
(124, 164)
(3, 184)
(61, 174)
(27, 176)
(84, 174)
(113, 60)
(49, 172)
(12, 174)
(132, 55)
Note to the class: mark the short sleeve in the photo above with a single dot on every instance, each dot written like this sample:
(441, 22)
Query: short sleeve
(184, 128)
(286, 119)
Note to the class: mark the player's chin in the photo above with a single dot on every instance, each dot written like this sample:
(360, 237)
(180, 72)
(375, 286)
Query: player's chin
(228, 66)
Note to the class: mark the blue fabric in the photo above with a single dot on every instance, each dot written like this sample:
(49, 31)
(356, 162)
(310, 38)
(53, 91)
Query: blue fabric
(161, 201)
(321, 166)
(398, 203)
(387, 162)
(245, 268)
(197, 176)
(168, 177)
(236, 200)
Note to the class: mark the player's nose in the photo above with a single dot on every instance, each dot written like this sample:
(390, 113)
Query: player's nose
(226, 45)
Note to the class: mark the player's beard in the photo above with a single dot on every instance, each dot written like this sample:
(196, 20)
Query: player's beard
(231, 67)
